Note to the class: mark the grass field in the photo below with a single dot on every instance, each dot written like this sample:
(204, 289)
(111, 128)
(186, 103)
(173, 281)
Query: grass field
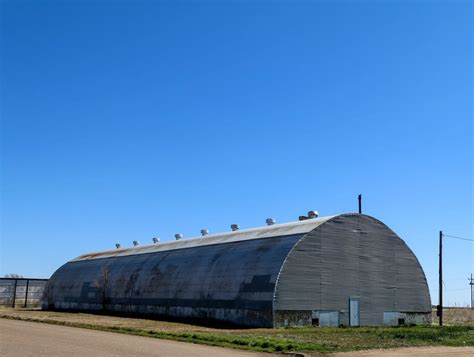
(302, 339)
(456, 316)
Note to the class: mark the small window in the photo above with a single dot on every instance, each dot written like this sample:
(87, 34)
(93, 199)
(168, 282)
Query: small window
(401, 322)
(315, 322)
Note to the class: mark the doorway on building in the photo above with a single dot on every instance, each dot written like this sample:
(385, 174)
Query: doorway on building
(354, 311)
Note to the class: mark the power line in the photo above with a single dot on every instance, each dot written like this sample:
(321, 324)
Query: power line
(439, 307)
(462, 238)
(434, 289)
(458, 289)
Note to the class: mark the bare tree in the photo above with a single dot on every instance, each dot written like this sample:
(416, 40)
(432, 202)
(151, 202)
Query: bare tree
(103, 286)
(13, 275)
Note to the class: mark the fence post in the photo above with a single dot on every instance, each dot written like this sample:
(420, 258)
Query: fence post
(26, 291)
(14, 293)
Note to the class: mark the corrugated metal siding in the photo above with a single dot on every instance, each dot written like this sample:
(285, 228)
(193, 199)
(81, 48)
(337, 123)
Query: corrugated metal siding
(315, 265)
(233, 281)
(352, 255)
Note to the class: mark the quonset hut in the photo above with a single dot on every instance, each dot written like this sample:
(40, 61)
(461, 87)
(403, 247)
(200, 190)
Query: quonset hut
(349, 269)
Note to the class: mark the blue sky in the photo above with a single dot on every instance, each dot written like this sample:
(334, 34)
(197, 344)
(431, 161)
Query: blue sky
(127, 120)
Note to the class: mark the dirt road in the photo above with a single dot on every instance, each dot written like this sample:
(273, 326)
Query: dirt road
(412, 352)
(20, 338)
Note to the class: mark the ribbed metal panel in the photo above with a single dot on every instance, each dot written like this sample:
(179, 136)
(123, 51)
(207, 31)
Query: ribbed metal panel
(352, 256)
(233, 282)
(295, 273)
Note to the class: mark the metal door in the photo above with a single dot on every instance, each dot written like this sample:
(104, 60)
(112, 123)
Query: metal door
(329, 318)
(354, 311)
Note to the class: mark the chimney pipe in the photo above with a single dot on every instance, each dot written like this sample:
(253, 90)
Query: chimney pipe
(360, 203)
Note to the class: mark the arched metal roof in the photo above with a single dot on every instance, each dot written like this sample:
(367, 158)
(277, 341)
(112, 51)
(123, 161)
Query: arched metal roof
(266, 276)
(276, 230)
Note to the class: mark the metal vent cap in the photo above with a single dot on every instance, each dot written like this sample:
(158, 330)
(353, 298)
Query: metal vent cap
(270, 221)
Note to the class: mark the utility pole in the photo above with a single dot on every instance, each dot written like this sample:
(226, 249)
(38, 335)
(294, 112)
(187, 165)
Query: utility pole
(440, 306)
(471, 282)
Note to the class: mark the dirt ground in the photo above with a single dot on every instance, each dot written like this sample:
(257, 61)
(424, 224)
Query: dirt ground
(51, 340)
(412, 351)
(80, 342)
(104, 320)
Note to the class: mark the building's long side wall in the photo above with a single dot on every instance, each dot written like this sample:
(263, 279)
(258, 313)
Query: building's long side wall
(232, 282)
(351, 256)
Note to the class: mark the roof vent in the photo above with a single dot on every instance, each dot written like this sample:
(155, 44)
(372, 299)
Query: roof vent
(234, 227)
(156, 240)
(204, 232)
(313, 214)
(178, 236)
(118, 246)
(135, 243)
(302, 218)
(270, 221)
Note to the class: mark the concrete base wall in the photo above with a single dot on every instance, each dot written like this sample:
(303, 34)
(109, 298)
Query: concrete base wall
(285, 318)
(406, 318)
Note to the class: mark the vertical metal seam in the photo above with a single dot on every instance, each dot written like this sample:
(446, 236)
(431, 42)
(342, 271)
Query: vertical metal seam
(277, 280)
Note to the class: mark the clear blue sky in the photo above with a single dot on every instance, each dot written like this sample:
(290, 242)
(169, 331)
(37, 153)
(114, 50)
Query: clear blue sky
(127, 120)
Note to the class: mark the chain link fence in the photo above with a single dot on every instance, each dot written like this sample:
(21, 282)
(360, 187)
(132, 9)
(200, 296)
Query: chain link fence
(21, 292)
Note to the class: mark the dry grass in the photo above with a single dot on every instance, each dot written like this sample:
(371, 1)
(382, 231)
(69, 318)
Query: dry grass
(102, 320)
(456, 316)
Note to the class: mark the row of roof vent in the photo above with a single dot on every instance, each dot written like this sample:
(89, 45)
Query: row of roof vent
(234, 227)
(311, 215)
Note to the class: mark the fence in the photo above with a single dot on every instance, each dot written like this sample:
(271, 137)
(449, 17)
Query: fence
(21, 292)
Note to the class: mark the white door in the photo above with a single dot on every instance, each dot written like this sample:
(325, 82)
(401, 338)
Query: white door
(354, 311)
